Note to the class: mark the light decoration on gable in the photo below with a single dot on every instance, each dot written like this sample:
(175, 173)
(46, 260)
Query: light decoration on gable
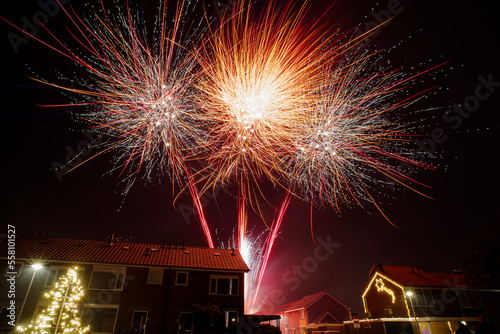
(380, 285)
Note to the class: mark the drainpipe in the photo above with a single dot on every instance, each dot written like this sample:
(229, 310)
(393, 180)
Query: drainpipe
(166, 300)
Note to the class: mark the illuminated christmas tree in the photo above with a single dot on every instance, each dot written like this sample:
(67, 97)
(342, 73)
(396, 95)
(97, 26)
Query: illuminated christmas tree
(63, 313)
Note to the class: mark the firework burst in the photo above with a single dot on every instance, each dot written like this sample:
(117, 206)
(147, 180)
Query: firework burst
(354, 135)
(256, 84)
(138, 93)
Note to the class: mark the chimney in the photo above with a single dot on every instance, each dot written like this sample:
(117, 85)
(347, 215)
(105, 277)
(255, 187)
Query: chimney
(418, 271)
(111, 239)
(146, 252)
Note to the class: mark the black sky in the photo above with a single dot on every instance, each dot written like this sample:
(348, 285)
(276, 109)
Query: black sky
(431, 234)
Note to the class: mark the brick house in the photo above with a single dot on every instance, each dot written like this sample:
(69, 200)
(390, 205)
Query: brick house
(146, 288)
(397, 298)
(317, 313)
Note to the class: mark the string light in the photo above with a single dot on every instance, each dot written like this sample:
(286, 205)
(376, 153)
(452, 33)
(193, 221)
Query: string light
(381, 287)
(378, 277)
(63, 313)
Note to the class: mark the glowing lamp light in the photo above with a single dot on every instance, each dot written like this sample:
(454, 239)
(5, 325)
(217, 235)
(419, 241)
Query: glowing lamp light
(36, 266)
(409, 293)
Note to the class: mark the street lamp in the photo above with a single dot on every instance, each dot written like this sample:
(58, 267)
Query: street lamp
(35, 267)
(409, 294)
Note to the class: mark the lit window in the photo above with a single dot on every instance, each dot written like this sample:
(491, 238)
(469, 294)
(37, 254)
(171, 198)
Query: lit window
(107, 278)
(224, 285)
(155, 276)
(181, 278)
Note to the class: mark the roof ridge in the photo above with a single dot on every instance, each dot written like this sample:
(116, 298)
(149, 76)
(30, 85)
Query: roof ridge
(136, 253)
(160, 244)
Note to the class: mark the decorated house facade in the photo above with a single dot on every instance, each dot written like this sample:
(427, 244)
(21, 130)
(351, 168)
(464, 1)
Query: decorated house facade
(408, 299)
(130, 287)
(320, 313)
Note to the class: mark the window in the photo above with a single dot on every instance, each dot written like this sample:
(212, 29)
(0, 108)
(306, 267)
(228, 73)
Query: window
(181, 278)
(224, 285)
(40, 308)
(231, 318)
(155, 276)
(185, 323)
(422, 298)
(139, 321)
(429, 300)
(14, 269)
(468, 298)
(107, 278)
(55, 272)
(101, 319)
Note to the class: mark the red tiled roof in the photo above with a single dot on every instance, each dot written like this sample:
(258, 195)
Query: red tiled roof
(274, 311)
(95, 251)
(414, 277)
(305, 301)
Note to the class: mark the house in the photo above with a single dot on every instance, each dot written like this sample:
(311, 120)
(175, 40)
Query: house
(406, 298)
(313, 314)
(146, 288)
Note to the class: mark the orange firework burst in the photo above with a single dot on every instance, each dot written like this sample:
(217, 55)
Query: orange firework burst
(257, 83)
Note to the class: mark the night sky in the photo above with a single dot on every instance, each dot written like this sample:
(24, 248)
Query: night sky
(431, 234)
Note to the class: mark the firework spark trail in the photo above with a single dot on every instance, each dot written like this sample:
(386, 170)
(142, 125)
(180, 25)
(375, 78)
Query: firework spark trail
(258, 79)
(269, 246)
